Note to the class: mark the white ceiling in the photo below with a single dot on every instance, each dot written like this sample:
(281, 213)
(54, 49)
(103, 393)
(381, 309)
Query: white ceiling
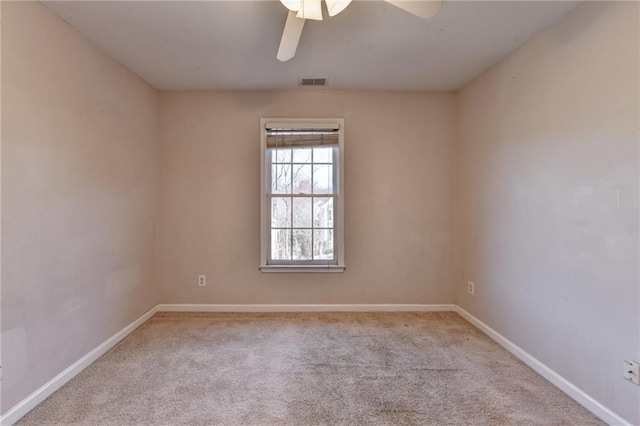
(177, 45)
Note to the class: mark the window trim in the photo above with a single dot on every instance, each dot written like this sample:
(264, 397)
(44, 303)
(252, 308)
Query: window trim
(316, 266)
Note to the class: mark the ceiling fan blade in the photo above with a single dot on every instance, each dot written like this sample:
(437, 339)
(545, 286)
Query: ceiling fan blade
(421, 8)
(290, 37)
(336, 6)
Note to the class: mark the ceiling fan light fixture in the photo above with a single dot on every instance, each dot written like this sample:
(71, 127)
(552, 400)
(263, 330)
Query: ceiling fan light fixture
(292, 5)
(310, 9)
(336, 6)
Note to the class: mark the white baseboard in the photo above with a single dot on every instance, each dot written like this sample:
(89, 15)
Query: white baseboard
(563, 384)
(27, 404)
(306, 308)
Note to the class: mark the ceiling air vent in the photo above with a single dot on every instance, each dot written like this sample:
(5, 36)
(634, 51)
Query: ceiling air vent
(313, 82)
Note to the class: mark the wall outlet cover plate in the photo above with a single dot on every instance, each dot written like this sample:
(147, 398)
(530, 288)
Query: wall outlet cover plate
(632, 371)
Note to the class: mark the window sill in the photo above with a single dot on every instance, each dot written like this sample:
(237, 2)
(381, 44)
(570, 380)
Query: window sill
(303, 268)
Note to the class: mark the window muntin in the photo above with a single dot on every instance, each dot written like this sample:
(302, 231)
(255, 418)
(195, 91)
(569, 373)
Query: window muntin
(301, 201)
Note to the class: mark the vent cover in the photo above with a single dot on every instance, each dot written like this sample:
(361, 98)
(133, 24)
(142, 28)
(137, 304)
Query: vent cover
(313, 81)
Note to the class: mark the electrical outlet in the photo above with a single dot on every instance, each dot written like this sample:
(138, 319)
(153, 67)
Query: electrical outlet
(202, 280)
(471, 288)
(631, 371)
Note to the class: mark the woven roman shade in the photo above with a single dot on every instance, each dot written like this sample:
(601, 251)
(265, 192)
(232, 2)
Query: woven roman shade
(283, 138)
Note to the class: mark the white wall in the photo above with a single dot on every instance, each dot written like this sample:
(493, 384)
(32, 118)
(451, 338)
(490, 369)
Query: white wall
(548, 199)
(398, 202)
(80, 160)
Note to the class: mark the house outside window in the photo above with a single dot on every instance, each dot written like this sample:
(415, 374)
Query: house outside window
(302, 195)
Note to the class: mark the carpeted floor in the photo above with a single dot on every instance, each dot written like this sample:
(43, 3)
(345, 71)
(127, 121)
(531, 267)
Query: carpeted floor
(308, 369)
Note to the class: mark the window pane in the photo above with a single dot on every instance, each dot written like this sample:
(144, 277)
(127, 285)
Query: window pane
(323, 155)
(323, 212)
(301, 244)
(281, 179)
(281, 244)
(323, 244)
(281, 155)
(301, 179)
(302, 212)
(323, 179)
(302, 155)
(281, 212)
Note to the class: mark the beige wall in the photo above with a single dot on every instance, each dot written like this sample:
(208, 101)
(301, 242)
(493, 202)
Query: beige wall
(548, 199)
(398, 203)
(546, 165)
(79, 197)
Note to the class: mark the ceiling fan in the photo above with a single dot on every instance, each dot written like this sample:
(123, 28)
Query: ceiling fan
(301, 10)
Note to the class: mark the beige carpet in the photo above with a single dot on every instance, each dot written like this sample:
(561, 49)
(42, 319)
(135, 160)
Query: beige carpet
(308, 369)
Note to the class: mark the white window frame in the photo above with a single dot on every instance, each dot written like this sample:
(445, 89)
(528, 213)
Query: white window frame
(302, 266)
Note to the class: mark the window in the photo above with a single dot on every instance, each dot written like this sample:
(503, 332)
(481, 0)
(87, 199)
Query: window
(301, 195)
